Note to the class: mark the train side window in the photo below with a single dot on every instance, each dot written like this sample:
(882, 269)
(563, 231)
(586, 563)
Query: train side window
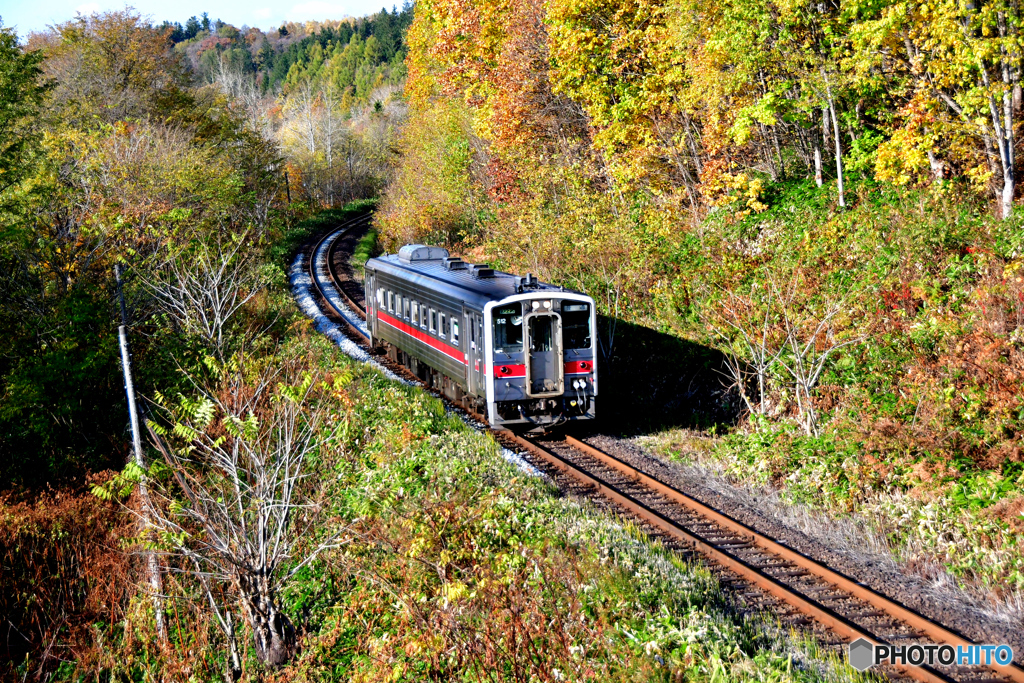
(441, 329)
(423, 316)
(455, 332)
(405, 304)
(380, 297)
(415, 313)
(391, 302)
(472, 336)
(433, 321)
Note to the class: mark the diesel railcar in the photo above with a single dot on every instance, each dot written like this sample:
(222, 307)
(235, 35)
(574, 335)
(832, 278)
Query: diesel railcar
(520, 351)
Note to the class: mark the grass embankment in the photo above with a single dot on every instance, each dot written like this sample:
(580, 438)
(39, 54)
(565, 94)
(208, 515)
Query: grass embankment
(454, 564)
(462, 567)
(365, 249)
(920, 419)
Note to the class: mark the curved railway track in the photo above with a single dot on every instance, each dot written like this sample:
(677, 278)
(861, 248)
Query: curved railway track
(809, 589)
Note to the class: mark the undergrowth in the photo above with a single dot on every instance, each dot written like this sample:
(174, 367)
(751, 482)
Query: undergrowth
(454, 564)
(365, 249)
(920, 420)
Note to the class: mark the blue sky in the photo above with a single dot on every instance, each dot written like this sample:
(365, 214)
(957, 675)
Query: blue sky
(34, 15)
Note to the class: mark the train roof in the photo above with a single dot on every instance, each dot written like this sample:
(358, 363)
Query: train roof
(475, 284)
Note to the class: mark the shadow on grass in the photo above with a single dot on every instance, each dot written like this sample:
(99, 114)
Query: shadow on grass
(655, 381)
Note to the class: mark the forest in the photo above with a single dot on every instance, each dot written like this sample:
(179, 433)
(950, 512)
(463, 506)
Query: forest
(821, 197)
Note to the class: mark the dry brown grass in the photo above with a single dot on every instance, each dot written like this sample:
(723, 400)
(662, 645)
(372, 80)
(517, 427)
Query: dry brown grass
(63, 571)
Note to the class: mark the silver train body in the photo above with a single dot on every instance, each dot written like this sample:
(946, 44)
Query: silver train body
(519, 351)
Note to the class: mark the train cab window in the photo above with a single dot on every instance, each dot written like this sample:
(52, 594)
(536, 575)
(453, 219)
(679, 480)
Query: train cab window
(441, 327)
(541, 334)
(508, 329)
(415, 313)
(405, 304)
(576, 325)
(433, 321)
(455, 332)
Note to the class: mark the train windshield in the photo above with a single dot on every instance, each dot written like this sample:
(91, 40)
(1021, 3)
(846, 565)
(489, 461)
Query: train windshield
(576, 325)
(508, 329)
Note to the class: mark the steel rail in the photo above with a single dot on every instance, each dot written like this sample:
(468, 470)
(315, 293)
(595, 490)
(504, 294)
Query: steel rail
(935, 631)
(808, 606)
(317, 280)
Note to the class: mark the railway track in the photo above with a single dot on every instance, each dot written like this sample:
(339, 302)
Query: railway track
(808, 589)
(325, 278)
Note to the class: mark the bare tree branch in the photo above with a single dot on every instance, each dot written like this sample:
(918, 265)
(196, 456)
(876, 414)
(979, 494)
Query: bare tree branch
(241, 504)
(204, 284)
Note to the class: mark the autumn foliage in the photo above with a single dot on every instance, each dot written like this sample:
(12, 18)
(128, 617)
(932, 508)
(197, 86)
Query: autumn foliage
(826, 193)
(66, 574)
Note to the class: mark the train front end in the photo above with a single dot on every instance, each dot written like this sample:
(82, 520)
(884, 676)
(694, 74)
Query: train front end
(541, 359)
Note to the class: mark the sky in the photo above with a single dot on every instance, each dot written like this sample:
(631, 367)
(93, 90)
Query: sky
(26, 16)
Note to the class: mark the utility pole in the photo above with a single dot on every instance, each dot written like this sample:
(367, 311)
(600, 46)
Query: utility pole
(152, 564)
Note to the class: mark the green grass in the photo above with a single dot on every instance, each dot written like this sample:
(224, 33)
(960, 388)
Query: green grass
(365, 249)
(457, 540)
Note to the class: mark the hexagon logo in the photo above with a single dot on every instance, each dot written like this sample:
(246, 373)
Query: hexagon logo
(862, 654)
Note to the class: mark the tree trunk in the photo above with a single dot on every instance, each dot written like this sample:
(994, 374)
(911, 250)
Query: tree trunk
(837, 140)
(152, 563)
(817, 162)
(1007, 197)
(804, 148)
(234, 663)
(778, 151)
(937, 167)
(272, 631)
(766, 152)
(1004, 143)
(691, 142)
(839, 154)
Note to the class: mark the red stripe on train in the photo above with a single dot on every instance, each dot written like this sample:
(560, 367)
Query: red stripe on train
(446, 349)
(575, 367)
(509, 370)
(579, 367)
